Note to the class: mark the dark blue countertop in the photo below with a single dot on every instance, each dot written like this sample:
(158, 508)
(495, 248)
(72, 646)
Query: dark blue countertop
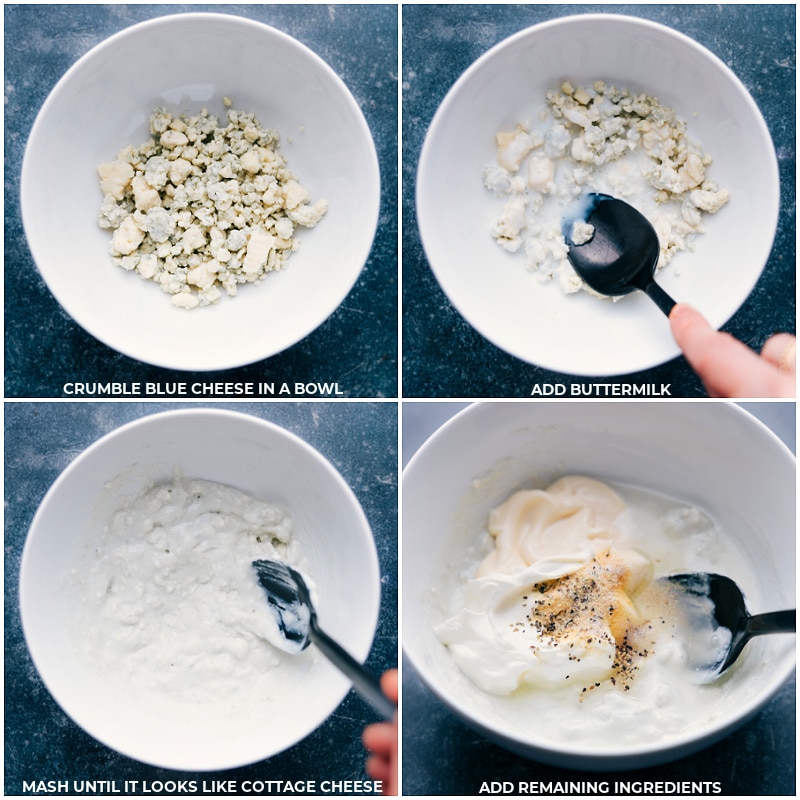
(41, 439)
(442, 756)
(442, 355)
(356, 346)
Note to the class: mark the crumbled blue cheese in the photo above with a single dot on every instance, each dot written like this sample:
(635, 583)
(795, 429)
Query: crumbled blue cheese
(114, 178)
(202, 208)
(604, 139)
(581, 232)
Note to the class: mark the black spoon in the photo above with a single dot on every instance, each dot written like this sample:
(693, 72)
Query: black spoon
(622, 254)
(713, 602)
(290, 602)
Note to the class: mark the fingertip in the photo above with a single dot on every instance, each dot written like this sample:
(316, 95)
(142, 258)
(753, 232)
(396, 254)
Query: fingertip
(377, 768)
(678, 310)
(690, 329)
(684, 316)
(390, 684)
(781, 350)
(371, 736)
(379, 737)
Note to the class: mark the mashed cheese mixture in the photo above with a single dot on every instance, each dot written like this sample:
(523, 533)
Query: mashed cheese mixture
(605, 139)
(562, 616)
(164, 599)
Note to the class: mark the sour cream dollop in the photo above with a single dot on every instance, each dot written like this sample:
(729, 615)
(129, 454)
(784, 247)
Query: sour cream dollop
(554, 602)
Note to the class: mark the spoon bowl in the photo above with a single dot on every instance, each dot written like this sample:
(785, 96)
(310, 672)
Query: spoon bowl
(289, 600)
(619, 254)
(719, 624)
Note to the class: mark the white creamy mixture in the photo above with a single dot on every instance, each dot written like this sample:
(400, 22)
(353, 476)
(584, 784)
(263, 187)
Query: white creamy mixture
(563, 626)
(164, 599)
(598, 139)
(202, 208)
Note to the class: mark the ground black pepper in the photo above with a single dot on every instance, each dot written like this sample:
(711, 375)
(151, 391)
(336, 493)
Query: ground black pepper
(575, 608)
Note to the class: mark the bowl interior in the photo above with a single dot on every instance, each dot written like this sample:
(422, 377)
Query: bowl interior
(691, 453)
(251, 455)
(579, 334)
(103, 103)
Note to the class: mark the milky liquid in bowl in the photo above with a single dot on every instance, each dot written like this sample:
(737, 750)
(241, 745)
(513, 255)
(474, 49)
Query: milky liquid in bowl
(579, 334)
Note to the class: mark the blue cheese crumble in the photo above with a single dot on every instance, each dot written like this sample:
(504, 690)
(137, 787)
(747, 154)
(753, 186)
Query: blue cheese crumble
(598, 138)
(202, 208)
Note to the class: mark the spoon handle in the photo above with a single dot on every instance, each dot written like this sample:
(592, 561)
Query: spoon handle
(659, 297)
(772, 622)
(364, 682)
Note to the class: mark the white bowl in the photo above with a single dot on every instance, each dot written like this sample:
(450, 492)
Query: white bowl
(691, 452)
(254, 456)
(493, 291)
(187, 62)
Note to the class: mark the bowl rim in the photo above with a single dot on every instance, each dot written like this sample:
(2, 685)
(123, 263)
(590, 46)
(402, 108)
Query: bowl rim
(427, 233)
(208, 414)
(734, 406)
(559, 753)
(37, 132)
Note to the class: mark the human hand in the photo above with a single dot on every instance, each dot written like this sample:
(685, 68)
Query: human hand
(381, 740)
(729, 368)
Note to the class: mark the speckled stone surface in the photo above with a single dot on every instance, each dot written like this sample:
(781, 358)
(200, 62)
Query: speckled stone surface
(442, 355)
(356, 346)
(41, 439)
(442, 756)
